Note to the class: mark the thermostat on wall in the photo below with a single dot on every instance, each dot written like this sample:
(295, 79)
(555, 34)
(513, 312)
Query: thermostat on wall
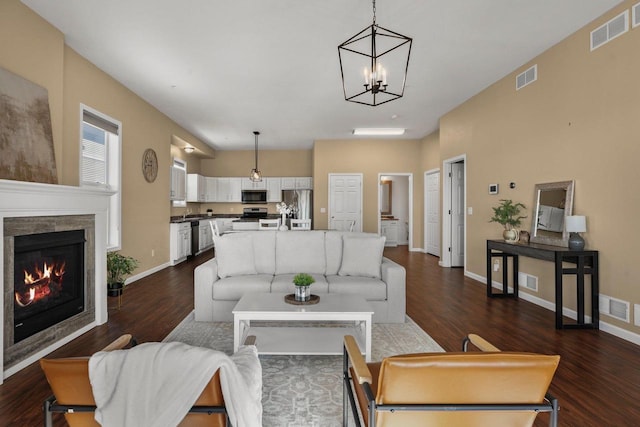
(493, 188)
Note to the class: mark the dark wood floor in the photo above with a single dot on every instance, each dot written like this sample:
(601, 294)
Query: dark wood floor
(597, 383)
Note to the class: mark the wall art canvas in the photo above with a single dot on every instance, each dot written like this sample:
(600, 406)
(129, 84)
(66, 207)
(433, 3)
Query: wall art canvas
(26, 137)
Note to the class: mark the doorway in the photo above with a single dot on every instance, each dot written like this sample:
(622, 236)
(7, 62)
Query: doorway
(453, 209)
(400, 204)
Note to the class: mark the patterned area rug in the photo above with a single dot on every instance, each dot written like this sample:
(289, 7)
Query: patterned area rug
(305, 391)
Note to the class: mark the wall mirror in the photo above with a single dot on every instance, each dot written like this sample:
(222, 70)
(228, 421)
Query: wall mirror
(553, 202)
(386, 190)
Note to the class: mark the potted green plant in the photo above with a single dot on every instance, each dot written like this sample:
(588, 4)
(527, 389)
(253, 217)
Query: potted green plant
(508, 214)
(303, 283)
(118, 267)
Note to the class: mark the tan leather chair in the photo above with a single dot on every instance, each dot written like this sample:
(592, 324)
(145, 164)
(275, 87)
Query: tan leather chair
(72, 394)
(488, 388)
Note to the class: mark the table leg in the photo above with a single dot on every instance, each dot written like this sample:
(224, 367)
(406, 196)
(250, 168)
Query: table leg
(236, 333)
(558, 290)
(367, 340)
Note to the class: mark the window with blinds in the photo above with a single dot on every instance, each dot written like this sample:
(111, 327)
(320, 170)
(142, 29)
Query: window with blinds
(100, 164)
(97, 136)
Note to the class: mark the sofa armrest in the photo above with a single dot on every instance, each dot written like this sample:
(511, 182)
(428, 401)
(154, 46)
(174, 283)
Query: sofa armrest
(394, 275)
(204, 276)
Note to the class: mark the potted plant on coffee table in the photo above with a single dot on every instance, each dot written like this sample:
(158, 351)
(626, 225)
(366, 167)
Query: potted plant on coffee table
(303, 283)
(118, 267)
(508, 214)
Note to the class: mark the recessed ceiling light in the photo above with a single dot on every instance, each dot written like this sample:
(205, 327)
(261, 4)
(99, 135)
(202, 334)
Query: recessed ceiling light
(378, 131)
(189, 150)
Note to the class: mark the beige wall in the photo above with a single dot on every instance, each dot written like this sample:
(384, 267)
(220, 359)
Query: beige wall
(369, 157)
(577, 121)
(35, 50)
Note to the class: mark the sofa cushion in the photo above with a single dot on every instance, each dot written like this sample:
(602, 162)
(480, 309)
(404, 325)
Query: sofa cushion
(234, 253)
(264, 251)
(333, 251)
(369, 288)
(361, 255)
(233, 288)
(284, 283)
(301, 252)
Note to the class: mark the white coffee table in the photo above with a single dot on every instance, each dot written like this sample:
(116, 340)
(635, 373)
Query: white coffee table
(320, 339)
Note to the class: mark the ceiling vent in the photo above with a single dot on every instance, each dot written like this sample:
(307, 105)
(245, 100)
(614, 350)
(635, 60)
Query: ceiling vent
(609, 31)
(635, 15)
(528, 76)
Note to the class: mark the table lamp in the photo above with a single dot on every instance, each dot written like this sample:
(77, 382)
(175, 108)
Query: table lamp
(574, 225)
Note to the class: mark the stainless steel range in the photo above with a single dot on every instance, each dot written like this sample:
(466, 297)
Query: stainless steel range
(254, 214)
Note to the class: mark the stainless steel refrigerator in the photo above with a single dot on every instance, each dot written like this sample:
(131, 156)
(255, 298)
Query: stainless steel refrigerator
(302, 201)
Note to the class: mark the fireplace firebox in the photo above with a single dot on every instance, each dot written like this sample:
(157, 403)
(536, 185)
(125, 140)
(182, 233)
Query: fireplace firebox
(49, 280)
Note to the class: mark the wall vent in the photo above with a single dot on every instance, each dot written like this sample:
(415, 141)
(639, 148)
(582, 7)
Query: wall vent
(528, 76)
(528, 281)
(609, 31)
(636, 314)
(614, 307)
(635, 15)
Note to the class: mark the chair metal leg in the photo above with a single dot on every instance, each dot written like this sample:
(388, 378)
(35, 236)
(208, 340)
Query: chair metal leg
(48, 416)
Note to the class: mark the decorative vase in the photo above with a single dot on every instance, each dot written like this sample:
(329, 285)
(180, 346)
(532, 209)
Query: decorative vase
(283, 223)
(511, 236)
(303, 293)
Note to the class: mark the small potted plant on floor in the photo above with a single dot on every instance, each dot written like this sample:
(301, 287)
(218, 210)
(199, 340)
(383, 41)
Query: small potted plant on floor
(118, 267)
(508, 214)
(303, 283)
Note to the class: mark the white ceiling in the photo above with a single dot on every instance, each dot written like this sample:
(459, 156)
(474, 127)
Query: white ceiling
(223, 69)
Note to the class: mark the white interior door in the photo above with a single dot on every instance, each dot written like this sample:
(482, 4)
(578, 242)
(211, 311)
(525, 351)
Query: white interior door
(457, 214)
(432, 213)
(345, 201)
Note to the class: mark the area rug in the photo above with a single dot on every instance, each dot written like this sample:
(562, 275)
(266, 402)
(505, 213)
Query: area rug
(305, 391)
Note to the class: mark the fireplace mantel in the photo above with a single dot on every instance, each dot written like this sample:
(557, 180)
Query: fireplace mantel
(28, 199)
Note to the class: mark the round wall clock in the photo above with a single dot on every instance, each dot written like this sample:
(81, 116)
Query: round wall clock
(150, 165)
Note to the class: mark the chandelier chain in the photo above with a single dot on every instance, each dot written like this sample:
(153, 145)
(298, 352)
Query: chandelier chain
(374, 12)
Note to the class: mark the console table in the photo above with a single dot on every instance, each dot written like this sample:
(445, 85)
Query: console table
(583, 262)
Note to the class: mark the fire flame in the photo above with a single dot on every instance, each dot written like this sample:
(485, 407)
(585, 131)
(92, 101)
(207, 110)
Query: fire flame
(39, 284)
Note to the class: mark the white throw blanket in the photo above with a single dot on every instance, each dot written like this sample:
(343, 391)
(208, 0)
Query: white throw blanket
(155, 384)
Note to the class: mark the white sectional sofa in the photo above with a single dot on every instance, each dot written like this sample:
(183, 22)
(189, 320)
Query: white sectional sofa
(266, 261)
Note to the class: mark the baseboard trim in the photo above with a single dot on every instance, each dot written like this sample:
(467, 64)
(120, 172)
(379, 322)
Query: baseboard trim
(604, 326)
(146, 273)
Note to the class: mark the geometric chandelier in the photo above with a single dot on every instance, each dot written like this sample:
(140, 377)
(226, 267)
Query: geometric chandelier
(374, 64)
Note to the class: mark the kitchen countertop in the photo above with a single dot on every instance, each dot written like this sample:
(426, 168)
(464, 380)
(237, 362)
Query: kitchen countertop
(238, 217)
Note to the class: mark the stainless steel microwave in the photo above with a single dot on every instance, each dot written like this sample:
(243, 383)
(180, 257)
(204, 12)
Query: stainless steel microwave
(254, 196)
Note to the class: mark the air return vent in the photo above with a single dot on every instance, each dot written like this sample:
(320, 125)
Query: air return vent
(635, 15)
(528, 281)
(614, 308)
(609, 31)
(526, 77)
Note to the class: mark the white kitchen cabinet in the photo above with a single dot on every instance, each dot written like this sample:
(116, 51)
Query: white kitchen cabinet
(205, 235)
(196, 188)
(178, 184)
(229, 190)
(247, 184)
(211, 194)
(179, 242)
(304, 183)
(297, 183)
(274, 190)
(390, 231)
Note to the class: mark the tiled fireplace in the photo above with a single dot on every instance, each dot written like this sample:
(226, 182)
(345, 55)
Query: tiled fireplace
(53, 267)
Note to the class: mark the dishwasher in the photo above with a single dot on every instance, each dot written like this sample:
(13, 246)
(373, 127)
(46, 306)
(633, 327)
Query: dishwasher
(195, 237)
